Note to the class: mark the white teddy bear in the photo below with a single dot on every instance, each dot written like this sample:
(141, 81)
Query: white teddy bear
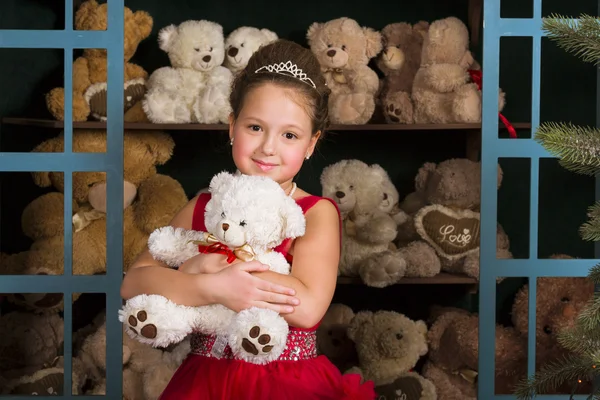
(249, 216)
(196, 87)
(242, 43)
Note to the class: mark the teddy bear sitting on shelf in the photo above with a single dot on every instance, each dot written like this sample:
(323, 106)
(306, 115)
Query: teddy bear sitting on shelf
(257, 216)
(242, 43)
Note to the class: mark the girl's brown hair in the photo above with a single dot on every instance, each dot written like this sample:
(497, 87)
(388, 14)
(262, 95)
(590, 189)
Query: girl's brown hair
(281, 51)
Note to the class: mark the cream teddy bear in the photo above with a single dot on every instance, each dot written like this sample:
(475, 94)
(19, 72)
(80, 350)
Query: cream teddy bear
(242, 43)
(257, 216)
(399, 61)
(196, 87)
(389, 345)
(344, 49)
(332, 338)
(443, 90)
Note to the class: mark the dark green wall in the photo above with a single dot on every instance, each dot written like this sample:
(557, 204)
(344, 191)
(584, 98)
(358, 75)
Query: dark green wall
(568, 93)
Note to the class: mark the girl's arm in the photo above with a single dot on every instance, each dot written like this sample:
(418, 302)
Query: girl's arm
(315, 266)
(233, 287)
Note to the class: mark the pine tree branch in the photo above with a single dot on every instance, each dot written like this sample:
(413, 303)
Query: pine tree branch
(578, 37)
(565, 369)
(578, 148)
(590, 230)
(580, 340)
(589, 318)
(594, 274)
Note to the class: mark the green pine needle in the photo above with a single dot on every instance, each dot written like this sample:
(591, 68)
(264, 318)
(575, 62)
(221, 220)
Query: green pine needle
(589, 318)
(582, 37)
(578, 148)
(594, 274)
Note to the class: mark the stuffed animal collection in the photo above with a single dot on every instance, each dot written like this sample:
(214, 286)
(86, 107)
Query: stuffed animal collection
(428, 73)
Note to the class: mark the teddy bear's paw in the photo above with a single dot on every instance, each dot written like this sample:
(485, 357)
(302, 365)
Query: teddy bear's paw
(383, 269)
(208, 106)
(45, 382)
(352, 109)
(160, 107)
(467, 104)
(95, 96)
(399, 109)
(135, 90)
(258, 335)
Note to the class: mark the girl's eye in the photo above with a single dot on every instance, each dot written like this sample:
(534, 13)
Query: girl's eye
(255, 128)
(290, 135)
(243, 223)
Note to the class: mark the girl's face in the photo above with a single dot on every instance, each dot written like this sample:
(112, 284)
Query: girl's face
(272, 134)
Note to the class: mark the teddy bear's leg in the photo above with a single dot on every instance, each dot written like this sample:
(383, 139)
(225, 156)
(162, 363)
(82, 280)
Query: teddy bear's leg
(55, 101)
(453, 387)
(165, 107)
(258, 335)
(466, 104)
(351, 109)
(209, 106)
(398, 108)
(470, 265)
(382, 269)
(421, 260)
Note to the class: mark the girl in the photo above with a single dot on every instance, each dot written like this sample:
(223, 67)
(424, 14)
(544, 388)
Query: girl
(279, 105)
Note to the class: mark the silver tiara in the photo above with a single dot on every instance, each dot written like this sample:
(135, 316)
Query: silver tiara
(289, 69)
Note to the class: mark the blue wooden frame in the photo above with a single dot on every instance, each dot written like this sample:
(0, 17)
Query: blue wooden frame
(68, 162)
(494, 148)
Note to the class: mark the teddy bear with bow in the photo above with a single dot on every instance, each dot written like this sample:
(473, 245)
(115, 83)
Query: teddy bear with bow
(257, 216)
(196, 87)
(344, 50)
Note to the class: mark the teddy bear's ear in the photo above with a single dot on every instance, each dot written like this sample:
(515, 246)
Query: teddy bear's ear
(423, 176)
(270, 36)
(294, 221)
(421, 27)
(313, 30)
(500, 175)
(84, 13)
(53, 145)
(160, 145)
(358, 324)
(144, 23)
(220, 181)
(374, 42)
(166, 37)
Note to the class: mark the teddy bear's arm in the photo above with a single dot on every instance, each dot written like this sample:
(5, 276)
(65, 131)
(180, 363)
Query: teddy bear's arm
(134, 71)
(445, 78)
(365, 80)
(276, 261)
(379, 228)
(174, 246)
(44, 216)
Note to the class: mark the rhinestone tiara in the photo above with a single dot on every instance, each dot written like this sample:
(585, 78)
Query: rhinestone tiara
(289, 69)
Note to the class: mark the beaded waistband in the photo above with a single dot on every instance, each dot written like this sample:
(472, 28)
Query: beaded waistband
(300, 345)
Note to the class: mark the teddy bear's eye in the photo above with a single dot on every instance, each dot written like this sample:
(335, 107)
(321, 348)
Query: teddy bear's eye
(385, 196)
(242, 45)
(223, 214)
(344, 47)
(351, 187)
(211, 49)
(196, 48)
(243, 223)
(397, 46)
(399, 336)
(565, 299)
(329, 45)
(547, 330)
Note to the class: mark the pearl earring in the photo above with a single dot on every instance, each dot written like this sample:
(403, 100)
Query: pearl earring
(307, 156)
(231, 142)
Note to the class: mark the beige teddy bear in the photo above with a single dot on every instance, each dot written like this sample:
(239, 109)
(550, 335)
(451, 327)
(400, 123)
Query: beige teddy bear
(399, 61)
(443, 90)
(242, 43)
(344, 49)
(389, 345)
(332, 337)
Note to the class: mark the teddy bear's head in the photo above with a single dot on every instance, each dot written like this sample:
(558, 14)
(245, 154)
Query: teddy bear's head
(92, 16)
(332, 337)
(356, 186)
(242, 43)
(197, 45)
(455, 182)
(559, 301)
(251, 210)
(402, 42)
(343, 43)
(388, 343)
(143, 150)
(447, 42)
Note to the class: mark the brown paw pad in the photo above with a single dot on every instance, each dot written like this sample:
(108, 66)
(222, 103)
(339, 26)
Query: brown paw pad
(133, 93)
(261, 341)
(393, 113)
(148, 331)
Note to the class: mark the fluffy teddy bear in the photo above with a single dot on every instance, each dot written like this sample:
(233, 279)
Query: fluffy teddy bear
(399, 62)
(443, 89)
(90, 69)
(196, 87)
(453, 364)
(257, 216)
(332, 337)
(150, 200)
(449, 220)
(389, 345)
(242, 43)
(344, 50)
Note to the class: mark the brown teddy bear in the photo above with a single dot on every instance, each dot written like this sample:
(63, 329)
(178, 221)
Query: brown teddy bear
(452, 363)
(443, 90)
(332, 337)
(389, 345)
(344, 49)
(449, 220)
(559, 302)
(150, 201)
(399, 62)
(90, 70)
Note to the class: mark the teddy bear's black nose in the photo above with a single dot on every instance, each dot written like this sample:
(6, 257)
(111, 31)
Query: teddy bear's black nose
(339, 194)
(232, 52)
(206, 58)
(331, 53)
(225, 226)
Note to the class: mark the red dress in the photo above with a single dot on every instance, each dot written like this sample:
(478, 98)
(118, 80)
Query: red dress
(298, 374)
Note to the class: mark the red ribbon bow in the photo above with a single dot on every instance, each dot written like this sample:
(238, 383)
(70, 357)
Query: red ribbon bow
(477, 78)
(218, 248)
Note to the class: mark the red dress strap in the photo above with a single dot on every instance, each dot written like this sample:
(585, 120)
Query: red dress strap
(198, 216)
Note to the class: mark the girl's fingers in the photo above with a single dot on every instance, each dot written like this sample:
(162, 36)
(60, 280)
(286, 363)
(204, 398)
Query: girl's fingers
(278, 308)
(275, 298)
(267, 286)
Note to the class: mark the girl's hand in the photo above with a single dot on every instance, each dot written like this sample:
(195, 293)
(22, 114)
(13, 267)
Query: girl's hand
(237, 289)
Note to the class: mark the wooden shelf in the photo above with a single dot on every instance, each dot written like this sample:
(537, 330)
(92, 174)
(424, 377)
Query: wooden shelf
(440, 279)
(49, 123)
